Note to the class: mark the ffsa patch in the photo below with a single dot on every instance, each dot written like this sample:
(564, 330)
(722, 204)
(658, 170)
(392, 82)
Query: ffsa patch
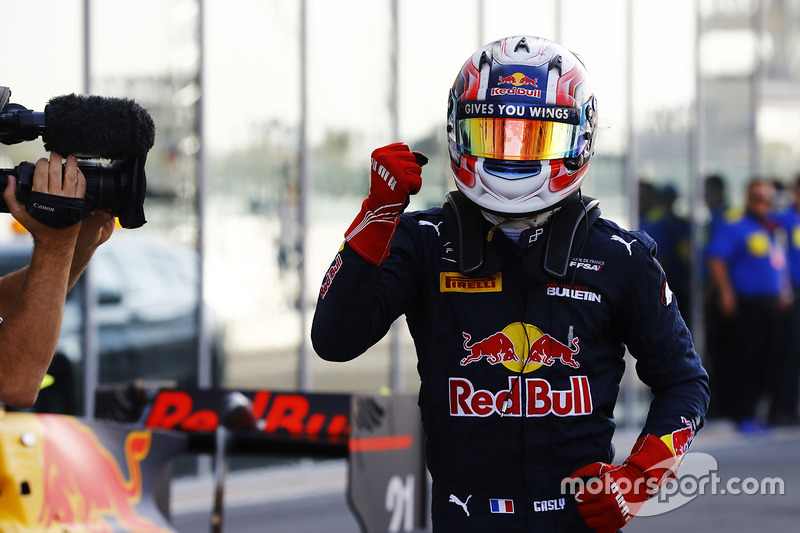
(458, 282)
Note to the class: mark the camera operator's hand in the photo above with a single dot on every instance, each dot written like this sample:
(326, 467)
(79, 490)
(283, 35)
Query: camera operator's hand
(32, 298)
(95, 230)
(81, 238)
(49, 178)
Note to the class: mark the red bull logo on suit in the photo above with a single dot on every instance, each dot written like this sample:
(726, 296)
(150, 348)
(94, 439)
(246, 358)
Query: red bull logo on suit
(541, 399)
(521, 348)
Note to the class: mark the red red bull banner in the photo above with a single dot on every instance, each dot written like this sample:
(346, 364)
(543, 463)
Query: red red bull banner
(316, 418)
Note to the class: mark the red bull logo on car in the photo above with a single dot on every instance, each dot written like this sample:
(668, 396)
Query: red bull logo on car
(85, 487)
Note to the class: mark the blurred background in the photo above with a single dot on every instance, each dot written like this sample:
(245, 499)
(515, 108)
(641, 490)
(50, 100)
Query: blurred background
(267, 112)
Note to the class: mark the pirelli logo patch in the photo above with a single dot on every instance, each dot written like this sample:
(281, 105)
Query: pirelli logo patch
(457, 282)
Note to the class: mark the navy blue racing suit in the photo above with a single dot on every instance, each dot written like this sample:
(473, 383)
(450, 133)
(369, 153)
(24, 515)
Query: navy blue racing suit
(520, 370)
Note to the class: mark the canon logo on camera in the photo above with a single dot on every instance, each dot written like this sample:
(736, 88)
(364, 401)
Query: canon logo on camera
(44, 207)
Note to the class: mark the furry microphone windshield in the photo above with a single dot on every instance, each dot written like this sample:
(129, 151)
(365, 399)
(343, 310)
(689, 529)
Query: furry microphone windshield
(96, 126)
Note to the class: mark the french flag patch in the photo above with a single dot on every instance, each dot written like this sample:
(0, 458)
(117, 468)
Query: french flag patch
(501, 506)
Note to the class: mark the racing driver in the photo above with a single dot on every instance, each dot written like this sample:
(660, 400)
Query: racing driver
(521, 301)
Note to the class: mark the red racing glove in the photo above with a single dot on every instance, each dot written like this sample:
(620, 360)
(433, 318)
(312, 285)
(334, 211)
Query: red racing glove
(613, 494)
(396, 174)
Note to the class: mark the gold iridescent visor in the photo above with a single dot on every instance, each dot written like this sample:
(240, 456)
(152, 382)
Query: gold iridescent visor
(521, 139)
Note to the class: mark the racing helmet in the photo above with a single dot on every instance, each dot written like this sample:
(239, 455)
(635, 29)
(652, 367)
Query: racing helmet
(521, 122)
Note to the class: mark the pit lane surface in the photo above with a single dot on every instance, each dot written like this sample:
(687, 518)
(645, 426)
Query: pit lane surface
(310, 496)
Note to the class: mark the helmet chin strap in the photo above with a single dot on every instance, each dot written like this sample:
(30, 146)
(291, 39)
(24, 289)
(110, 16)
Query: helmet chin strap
(513, 227)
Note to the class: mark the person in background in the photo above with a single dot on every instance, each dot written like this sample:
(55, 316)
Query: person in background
(32, 299)
(672, 234)
(521, 300)
(715, 195)
(748, 266)
(718, 343)
(787, 381)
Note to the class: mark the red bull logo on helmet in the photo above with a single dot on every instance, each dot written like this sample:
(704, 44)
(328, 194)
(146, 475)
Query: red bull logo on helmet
(518, 79)
(520, 84)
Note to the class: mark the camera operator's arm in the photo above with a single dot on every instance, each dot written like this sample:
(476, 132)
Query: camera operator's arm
(95, 230)
(32, 299)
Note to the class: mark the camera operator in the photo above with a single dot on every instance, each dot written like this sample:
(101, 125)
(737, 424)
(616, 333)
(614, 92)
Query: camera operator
(32, 298)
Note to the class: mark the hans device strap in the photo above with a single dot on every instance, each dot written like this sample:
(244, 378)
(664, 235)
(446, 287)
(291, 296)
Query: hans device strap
(476, 256)
(465, 216)
(579, 211)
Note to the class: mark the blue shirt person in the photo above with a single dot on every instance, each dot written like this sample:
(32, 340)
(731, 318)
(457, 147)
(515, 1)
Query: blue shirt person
(747, 259)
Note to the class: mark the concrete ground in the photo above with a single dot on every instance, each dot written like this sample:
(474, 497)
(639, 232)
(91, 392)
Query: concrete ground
(310, 495)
